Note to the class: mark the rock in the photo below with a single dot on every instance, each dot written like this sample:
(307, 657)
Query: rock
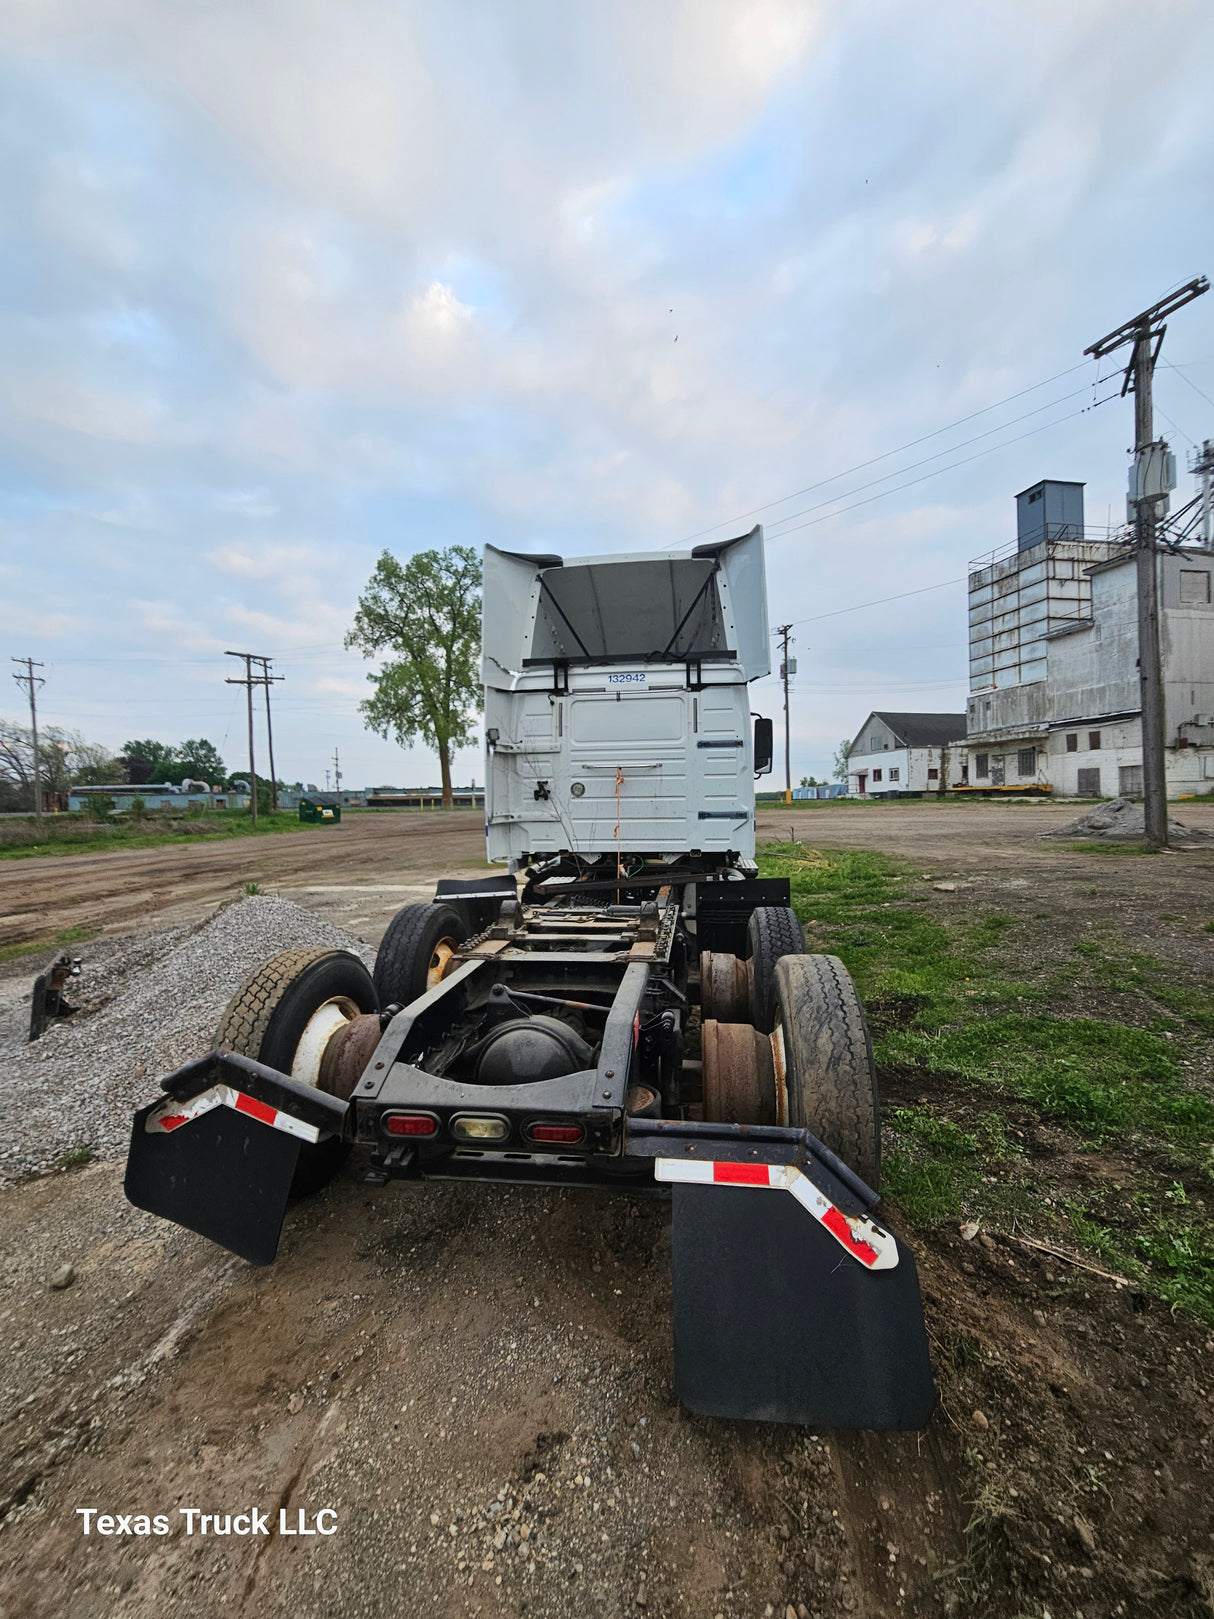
(980, 1421)
(1039, 1317)
(63, 1277)
(969, 1230)
(1087, 1535)
(295, 1403)
(945, 888)
(986, 1241)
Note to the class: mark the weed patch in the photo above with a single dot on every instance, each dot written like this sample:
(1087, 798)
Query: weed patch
(957, 995)
(13, 952)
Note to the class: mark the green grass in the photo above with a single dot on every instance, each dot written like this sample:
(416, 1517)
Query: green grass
(73, 834)
(75, 1157)
(1100, 1079)
(12, 952)
(964, 998)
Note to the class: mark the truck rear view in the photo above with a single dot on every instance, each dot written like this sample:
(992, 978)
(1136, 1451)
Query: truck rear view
(629, 1007)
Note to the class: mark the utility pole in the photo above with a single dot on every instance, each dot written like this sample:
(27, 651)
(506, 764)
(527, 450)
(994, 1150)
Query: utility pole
(31, 682)
(250, 680)
(268, 680)
(1147, 491)
(336, 773)
(784, 632)
(1203, 465)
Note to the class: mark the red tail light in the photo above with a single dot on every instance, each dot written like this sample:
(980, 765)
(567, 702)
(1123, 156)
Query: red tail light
(410, 1124)
(564, 1135)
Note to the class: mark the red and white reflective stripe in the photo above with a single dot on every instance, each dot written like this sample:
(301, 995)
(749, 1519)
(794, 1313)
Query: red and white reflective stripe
(171, 1114)
(863, 1238)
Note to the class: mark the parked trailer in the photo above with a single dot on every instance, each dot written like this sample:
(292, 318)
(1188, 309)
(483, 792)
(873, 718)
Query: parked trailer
(641, 1016)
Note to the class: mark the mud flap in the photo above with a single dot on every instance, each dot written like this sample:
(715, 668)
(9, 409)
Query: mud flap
(225, 1176)
(219, 1155)
(775, 1322)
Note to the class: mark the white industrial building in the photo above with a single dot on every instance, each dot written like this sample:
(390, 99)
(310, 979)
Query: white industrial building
(1054, 696)
(895, 755)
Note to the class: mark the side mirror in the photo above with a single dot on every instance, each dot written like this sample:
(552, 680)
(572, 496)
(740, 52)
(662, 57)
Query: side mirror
(763, 747)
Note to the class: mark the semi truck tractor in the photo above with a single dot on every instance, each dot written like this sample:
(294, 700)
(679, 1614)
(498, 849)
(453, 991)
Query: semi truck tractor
(628, 1007)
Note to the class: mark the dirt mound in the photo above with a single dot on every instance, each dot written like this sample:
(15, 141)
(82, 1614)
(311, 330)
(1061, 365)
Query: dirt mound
(147, 1005)
(1121, 818)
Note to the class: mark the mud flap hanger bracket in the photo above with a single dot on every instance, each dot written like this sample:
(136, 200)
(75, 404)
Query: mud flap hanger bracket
(754, 1143)
(326, 1114)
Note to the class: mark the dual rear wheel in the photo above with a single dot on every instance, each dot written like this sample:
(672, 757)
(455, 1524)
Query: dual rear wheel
(307, 1013)
(804, 1058)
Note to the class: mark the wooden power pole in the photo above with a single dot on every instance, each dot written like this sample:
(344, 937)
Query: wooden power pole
(250, 680)
(31, 682)
(1145, 333)
(784, 632)
(267, 679)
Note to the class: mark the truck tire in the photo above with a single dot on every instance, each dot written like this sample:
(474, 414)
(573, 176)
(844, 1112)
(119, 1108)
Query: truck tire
(414, 952)
(266, 1019)
(772, 932)
(828, 1060)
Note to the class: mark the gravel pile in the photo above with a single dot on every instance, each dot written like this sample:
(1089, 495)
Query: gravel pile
(148, 1004)
(1121, 818)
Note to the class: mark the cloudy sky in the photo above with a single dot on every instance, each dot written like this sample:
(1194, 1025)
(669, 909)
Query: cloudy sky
(286, 282)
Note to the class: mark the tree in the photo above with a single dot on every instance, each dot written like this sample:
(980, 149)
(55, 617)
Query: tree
(198, 761)
(427, 612)
(842, 753)
(147, 761)
(67, 760)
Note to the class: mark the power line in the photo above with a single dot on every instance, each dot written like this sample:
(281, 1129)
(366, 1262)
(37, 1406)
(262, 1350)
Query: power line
(1191, 383)
(910, 445)
(880, 601)
(910, 483)
(910, 467)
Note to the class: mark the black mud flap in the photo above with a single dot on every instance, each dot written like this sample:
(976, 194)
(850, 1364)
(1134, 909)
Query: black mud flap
(225, 1176)
(220, 1155)
(775, 1322)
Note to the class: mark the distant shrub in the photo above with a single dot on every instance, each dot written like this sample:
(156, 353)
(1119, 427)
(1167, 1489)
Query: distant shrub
(138, 805)
(98, 806)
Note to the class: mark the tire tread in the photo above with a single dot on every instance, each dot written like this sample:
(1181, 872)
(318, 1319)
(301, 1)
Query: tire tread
(398, 964)
(247, 1015)
(773, 931)
(832, 1082)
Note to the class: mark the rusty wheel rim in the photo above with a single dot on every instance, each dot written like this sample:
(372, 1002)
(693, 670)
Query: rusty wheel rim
(739, 1076)
(440, 960)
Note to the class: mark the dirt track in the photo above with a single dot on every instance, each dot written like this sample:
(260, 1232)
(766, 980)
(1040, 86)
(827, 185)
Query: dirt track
(446, 1367)
(360, 872)
(398, 855)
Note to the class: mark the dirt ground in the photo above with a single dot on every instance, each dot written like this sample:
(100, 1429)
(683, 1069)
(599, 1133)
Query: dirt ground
(364, 868)
(476, 1382)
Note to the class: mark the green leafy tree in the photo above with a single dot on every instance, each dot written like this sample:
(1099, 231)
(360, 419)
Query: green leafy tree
(842, 754)
(199, 761)
(425, 614)
(147, 761)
